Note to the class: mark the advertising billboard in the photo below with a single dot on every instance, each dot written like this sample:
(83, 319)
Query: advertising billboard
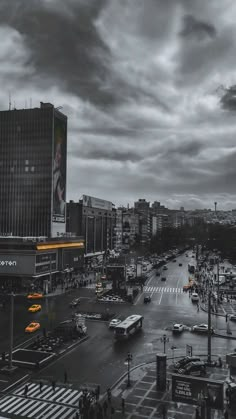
(192, 390)
(17, 264)
(59, 170)
(90, 201)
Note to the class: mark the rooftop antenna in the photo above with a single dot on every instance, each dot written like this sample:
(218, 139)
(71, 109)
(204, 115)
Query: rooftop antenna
(9, 100)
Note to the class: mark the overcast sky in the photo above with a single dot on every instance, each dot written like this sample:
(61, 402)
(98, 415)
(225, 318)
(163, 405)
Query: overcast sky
(147, 86)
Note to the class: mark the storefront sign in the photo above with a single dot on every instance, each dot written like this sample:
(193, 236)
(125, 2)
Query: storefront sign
(17, 264)
(192, 390)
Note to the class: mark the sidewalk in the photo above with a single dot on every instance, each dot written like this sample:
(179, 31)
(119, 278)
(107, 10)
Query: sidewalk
(142, 400)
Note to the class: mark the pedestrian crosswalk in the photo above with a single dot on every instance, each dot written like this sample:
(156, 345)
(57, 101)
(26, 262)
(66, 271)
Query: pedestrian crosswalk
(172, 290)
(42, 403)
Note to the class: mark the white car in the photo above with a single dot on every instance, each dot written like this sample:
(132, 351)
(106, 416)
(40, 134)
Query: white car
(113, 323)
(232, 317)
(178, 328)
(203, 328)
(195, 297)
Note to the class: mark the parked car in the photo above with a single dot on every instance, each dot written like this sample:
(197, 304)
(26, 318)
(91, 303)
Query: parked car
(178, 328)
(202, 328)
(194, 368)
(165, 268)
(158, 273)
(113, 323)
(174, 260)
(232, 317)
(184, 361)
(147, 299)
(195, 297)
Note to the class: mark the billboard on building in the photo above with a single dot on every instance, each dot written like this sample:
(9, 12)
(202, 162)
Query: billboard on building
(192, 390)
(90, 201)
(59, 170)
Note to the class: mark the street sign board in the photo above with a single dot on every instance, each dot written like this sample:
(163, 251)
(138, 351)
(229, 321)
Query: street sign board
(192, 390)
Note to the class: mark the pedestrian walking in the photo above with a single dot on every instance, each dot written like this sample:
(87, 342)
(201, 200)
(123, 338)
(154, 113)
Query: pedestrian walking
(40, 386)
(26, 390)
(198, 307)
(220, 362)
(65, 377)
(109, 395)
(197, 413)
(226, 317)
(123, 405)
(53, 385)
(105, 407)
(226, 415)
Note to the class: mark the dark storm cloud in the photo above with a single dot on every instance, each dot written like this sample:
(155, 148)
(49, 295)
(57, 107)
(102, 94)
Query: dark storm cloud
(228, 100)
(64, 47)
(196, 28)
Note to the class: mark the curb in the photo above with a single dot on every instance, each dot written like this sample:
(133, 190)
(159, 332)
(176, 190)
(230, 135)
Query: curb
(143, 364)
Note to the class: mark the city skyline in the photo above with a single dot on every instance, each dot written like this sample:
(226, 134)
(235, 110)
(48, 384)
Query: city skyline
(148, 91)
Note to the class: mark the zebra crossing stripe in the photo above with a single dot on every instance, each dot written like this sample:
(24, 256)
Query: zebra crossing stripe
(77, 397)
(41, 406)
(27, 409)
(67, 399)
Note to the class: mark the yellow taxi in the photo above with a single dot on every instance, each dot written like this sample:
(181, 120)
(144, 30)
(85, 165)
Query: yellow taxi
(188, 286)
(34, 308)
(35, 296)
(32, 327)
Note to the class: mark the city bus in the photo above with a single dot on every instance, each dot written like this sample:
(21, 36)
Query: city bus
(191, 268)
(128, 327)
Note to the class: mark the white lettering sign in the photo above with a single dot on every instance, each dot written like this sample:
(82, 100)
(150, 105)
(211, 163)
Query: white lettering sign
(8, 263)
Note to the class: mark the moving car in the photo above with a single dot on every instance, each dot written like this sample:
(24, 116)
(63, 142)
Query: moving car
(202, 328)
(195, 297)
(193, 368)
(32, 327)
(147, 299)
(184, 361)
(165, 268)
(113, 323)
(158, 273)
(35, 296)
(178, 328)
(34, 308)
(174, 260)
(75, 302)
(163, 278)
(188, 286)
(180, 264)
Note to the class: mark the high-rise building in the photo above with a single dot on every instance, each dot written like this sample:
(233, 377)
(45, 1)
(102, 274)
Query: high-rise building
(33, 152)
(142, 207)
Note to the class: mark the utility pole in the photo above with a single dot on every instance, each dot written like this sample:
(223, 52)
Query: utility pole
(209, 329)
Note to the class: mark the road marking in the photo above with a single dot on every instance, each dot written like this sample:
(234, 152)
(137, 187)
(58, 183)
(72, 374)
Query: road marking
(4, 381)
(18, 381)
(160, 298)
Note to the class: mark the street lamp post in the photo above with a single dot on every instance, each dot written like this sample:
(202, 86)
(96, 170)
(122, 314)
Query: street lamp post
(128, 360)
(11, 330)
(164, 340)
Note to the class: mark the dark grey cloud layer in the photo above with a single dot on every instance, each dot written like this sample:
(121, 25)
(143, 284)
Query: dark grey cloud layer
(139, 82)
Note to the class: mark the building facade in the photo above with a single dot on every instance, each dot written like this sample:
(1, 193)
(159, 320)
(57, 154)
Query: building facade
(142, 208)
(95, 220)
(39, 263)
(33, 151)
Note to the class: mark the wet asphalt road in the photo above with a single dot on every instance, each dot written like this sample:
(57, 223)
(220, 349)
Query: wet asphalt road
(100, 360)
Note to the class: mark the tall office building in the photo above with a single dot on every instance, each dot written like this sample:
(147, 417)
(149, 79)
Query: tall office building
(33, 151)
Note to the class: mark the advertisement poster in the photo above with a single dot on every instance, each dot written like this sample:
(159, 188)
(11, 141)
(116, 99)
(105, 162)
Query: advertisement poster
(193, 390)
(59, 170)
(92, 202)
